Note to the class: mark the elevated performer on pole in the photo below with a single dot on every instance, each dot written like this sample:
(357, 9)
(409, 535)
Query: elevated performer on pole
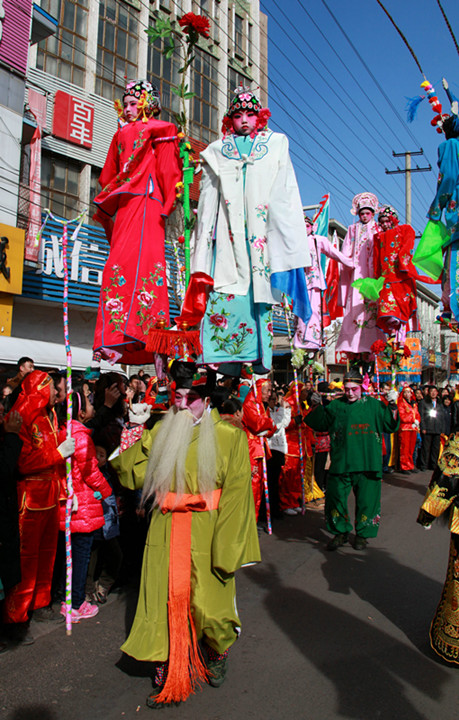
(359, 330)
(138, 184)
(195, 469)
(250, 236)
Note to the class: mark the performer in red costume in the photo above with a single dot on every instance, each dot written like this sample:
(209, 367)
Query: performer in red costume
(409, 427)
(393, 248)
(258, 425)
(290, 481)
(41, 467)
(138, 184)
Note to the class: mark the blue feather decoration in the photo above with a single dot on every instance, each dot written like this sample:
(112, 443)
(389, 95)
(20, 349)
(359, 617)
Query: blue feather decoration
(411, 107)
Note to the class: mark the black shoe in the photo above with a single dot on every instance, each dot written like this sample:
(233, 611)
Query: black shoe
(47, 615)
(19, 633)
(404, 472)
(360, 543)
(337, 541)
(414, 471)
(389, 471)
(217, 672)
(151, 700)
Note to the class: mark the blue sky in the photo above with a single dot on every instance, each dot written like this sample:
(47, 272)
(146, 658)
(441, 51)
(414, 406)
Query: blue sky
(342, 127)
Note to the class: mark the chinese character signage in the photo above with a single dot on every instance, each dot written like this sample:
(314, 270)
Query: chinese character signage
(73, 119)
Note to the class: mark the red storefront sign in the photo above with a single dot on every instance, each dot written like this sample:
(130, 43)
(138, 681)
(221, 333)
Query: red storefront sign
(73, 119)
(340, 357)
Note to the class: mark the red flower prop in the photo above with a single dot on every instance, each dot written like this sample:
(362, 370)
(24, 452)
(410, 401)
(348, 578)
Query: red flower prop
(378, 346)
(406, 351)
(262, 119)
(197, 23)
(227, 126)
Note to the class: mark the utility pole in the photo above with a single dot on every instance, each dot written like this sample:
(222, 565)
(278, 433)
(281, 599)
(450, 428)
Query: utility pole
(407, 172)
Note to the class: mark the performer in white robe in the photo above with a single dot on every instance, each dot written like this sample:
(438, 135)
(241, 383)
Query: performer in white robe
(250, 236)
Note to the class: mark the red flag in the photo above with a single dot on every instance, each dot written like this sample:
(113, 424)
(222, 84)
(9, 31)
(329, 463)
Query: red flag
(331, 309)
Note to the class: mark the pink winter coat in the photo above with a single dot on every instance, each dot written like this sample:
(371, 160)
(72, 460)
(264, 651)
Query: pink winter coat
(87, 479)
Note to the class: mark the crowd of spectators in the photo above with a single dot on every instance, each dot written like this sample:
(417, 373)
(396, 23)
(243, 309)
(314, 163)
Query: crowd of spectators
(110, 412)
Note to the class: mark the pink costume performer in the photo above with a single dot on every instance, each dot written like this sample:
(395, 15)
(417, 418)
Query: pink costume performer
(359, 330)
(138, 184)
(309, 336)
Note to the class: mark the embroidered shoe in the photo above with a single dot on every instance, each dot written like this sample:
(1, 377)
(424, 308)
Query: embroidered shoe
(360, 543)
(75, 613)
(217, 672)
(86, 610)
(337, 541)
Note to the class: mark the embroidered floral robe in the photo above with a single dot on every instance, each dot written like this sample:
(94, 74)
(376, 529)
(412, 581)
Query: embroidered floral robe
(393, 259)
(359, 330)
(250, 227)
(138, 184)
(447, 199)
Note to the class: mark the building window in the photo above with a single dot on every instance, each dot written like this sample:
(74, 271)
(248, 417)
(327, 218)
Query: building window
(163, 72)
(204, 113)
(235, 79)
(238, 36)
(64, 53)
(59, 185)
(117, 48)
(249, 43)
(94, 190)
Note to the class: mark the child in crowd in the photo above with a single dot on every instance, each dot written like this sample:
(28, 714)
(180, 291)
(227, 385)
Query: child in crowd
(90, 487)
(106, 555)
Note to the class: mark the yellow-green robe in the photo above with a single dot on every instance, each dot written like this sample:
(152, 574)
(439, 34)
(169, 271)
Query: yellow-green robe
(222, 541)
(442, 496)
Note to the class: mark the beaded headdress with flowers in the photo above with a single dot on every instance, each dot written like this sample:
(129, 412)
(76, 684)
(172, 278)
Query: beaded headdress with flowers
(245, 100)
(364, 200)
(390, 213)
(147, 96)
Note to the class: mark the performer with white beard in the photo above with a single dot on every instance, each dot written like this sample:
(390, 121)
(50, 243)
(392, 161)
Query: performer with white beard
(196, 470)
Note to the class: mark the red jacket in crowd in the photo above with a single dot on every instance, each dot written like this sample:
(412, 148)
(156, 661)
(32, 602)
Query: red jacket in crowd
(256, 419)
(409, 414)
(40, 463)
(87, 479)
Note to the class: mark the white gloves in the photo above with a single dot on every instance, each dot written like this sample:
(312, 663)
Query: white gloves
(67, 447)
(139, 413)
(392, 396)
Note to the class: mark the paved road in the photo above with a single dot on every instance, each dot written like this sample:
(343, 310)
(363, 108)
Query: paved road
(325, 636)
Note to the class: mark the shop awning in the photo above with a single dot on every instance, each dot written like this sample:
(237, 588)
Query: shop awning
(47, 354)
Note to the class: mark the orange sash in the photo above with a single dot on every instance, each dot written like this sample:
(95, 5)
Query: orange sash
(186, 667)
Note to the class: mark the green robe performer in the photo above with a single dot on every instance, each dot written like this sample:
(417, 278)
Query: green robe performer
(443, 497)
(355, 424)
(195, 469)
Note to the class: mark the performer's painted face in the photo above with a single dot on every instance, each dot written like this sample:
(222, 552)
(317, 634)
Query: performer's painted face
(189, 399)
(309, 227)
(365, 215)
(265, 392)
(244, 122)
(131, 111)
(353, 391)
(385, 223)
(408, 394)
(52, 395)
